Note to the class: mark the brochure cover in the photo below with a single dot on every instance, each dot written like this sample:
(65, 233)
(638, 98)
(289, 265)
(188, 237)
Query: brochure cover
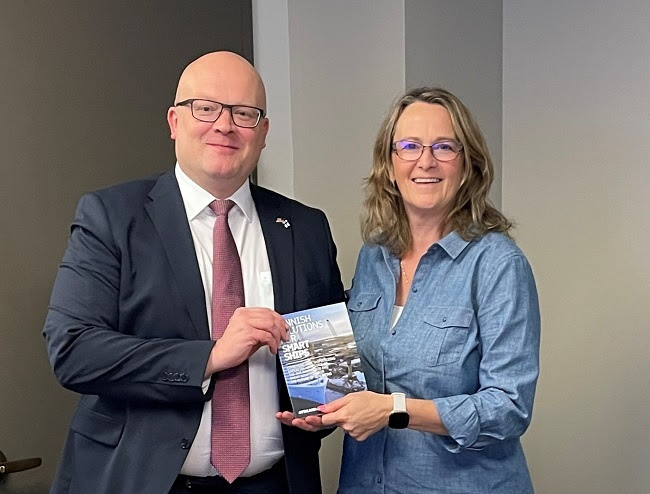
(320, 362)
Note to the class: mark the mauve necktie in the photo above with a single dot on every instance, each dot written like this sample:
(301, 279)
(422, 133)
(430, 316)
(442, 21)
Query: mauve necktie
(231, 451)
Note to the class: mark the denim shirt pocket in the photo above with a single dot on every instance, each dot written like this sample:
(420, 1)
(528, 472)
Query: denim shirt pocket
(449, 329)
(362, 308)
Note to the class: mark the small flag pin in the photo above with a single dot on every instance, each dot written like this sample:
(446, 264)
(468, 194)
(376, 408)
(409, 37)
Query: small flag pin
(284, 222)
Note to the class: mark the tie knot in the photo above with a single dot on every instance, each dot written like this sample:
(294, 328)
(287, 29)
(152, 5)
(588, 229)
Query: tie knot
(220, 206)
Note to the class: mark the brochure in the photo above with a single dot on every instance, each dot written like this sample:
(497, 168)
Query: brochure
(320, 362)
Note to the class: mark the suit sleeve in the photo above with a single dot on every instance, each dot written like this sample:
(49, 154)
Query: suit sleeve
(336, 285)
(89, 351)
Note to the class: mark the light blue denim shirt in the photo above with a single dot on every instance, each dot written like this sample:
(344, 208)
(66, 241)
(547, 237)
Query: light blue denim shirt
(468, 339)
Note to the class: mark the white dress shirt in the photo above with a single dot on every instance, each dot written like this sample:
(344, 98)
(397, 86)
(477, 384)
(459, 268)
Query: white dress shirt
(266, 435)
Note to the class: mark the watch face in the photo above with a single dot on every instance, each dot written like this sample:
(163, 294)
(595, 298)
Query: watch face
(398, 420)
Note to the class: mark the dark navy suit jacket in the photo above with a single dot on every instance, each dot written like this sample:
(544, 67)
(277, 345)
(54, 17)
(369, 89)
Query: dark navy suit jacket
(127, 329)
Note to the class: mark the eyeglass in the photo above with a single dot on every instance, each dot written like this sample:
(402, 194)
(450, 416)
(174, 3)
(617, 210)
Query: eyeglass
(441, 151)
(209, 111)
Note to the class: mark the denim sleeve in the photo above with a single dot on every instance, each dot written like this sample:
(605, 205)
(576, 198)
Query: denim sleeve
(507, 312)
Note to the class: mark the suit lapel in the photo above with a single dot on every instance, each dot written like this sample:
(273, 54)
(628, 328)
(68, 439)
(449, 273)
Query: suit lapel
(167, 212)
(279, 246)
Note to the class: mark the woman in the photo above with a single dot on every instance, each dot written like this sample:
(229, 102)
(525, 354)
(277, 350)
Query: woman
(444, 310)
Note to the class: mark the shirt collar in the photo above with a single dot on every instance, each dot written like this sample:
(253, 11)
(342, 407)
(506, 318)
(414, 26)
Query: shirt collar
(197, 199)
(453, 244)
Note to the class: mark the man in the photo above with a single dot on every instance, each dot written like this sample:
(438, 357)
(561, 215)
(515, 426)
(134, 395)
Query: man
(137, 301)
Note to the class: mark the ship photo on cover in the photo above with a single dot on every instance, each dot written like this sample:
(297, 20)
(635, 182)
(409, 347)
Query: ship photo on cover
(320, 362)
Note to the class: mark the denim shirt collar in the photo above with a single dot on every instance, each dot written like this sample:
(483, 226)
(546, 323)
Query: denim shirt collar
(452, 243)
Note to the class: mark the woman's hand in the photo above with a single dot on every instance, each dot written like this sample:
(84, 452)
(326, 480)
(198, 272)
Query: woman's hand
(359, 414)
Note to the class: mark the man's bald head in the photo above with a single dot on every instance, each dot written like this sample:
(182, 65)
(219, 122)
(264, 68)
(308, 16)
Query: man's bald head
(218, 156)
(230, 73)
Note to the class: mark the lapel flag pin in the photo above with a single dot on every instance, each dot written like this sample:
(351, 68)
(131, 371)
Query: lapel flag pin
(284, 222)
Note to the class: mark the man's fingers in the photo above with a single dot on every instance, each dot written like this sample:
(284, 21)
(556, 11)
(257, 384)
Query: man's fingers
(269, 340)
(261, 318)
(329, 419)
(249, 329)
(285, 417)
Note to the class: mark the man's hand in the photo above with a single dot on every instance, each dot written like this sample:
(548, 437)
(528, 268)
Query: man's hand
(359, 414)
(311, 423)
(249, 329)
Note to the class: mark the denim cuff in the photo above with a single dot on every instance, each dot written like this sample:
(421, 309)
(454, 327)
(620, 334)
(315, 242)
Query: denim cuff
(459, 416)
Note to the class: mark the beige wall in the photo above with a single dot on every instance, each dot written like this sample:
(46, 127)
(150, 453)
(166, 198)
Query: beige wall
(466, 61)
(576, 177)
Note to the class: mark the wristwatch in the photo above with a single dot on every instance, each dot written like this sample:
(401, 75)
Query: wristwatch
(399, 417)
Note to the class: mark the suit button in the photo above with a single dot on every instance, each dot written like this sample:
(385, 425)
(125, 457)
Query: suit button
(184, 378)
(185, 443)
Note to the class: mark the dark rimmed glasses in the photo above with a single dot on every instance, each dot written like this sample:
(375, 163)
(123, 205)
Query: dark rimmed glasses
(206, 110)
(441, 151)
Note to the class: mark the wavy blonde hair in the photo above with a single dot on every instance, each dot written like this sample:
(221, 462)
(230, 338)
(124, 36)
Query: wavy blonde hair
(384, 219)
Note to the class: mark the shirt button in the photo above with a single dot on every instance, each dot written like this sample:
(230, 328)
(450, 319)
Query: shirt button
(379, 480)
(415, 290)
(444, 319)
(185, 443)
(393, 332)
(358, 304)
